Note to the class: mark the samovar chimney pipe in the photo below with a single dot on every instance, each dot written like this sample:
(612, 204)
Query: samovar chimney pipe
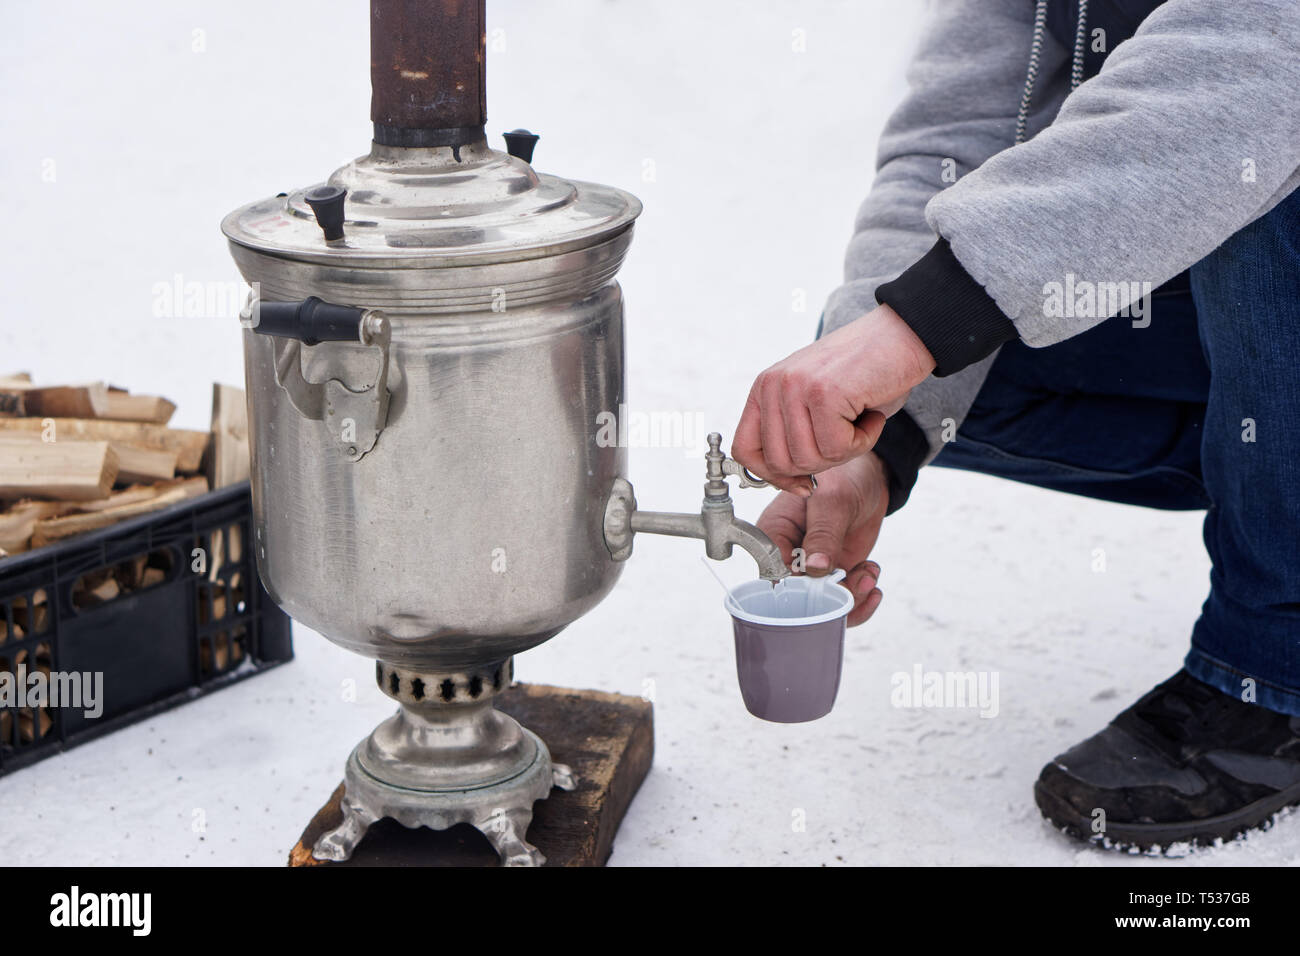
(428, 72)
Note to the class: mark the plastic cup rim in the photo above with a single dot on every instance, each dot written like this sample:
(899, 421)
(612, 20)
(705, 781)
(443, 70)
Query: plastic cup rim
(733, 608)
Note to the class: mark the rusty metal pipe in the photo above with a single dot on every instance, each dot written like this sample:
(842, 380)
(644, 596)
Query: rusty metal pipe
(428, 71)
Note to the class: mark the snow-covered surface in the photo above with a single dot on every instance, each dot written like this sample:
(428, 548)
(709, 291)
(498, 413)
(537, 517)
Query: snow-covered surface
(760, 155)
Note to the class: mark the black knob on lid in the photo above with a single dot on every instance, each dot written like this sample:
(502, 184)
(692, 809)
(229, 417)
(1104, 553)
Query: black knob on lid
(520, 143)
(327, 203)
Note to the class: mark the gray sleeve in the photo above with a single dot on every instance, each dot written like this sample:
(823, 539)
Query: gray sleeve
(965, 83)
(1190, 131)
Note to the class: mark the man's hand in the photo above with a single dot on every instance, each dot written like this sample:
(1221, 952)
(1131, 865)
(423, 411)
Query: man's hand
(836, 527)
(827, 403)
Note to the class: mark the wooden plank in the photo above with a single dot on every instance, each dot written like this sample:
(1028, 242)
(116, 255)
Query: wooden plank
(608, 741)
(121, 405)
(61, 401)
(143, 464)
(230, 456)
(135, 463)
(188, 445)
(72, 471)
(56, 529)
(127, 496)
(19, 521)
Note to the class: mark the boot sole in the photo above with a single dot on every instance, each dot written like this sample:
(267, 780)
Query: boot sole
(1147, 836)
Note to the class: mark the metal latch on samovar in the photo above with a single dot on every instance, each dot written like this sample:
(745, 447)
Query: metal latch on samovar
(356, 414)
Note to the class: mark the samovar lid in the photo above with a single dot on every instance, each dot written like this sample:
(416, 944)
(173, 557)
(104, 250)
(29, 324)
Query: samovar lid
(454, 204)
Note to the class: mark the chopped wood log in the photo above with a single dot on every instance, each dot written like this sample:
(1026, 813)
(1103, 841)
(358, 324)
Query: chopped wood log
(71, 471)
(143, 464)
(103, 592)
(95, 400)
(127, 496)
(169, 493)
(12, 403)
(130, 572)
(66, 401)
(33, 618)
(230, 457)
(134, 462)
(121, 405)
(188, 445)
(19, 521)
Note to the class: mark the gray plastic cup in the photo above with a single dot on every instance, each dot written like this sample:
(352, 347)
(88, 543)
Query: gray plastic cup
(790, 645)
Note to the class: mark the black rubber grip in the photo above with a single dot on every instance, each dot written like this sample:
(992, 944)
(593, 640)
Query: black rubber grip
(310, 321)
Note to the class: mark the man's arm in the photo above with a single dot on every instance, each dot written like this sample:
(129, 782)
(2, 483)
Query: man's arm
(965, 83)
(1190, 131)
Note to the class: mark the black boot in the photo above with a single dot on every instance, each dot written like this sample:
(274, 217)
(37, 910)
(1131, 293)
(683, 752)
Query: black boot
(1185, 764)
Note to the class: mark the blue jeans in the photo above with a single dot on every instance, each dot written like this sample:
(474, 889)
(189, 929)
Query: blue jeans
(1199, 410)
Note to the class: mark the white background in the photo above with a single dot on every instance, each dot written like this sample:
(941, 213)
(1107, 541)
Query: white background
(760, 155)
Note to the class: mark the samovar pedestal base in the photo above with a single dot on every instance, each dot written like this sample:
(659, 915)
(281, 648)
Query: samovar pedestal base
(448, 756)
(608, 740)
(501, 812)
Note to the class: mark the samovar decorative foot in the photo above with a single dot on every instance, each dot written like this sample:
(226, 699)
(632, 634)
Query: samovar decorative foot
(447, 756)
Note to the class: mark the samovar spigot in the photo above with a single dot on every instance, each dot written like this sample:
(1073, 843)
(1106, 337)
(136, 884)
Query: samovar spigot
(716, 524)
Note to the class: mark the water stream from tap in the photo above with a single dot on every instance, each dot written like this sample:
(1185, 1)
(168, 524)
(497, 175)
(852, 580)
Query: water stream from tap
(784, 598)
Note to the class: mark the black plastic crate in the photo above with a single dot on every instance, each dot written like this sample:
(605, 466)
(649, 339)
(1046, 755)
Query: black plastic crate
(167, 606)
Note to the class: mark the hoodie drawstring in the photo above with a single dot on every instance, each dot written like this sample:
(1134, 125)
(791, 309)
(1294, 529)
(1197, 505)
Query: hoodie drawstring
(1035, 53)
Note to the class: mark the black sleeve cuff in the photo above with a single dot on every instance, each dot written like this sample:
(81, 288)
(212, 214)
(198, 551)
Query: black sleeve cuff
(903, 447)
(948, 310)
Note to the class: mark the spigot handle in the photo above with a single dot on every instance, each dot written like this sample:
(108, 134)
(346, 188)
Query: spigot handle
(732, 467)
(720, 467)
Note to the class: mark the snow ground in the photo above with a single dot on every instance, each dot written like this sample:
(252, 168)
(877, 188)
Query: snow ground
(760, 155)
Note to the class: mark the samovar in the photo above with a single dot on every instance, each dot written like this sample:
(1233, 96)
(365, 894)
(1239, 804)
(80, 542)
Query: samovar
(433, 334)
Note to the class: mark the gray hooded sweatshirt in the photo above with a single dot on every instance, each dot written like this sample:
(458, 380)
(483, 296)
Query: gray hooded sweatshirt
(1189, 131)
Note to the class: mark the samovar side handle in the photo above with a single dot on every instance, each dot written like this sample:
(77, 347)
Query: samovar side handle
(357, 414)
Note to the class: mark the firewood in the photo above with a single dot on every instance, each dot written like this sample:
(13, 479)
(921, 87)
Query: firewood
(127, 496)
(106, 590)
(56, 529)
(97, 587)
(12, 403)
(221, 650)
(94, 400)
(143, 464)
(188, 445)
(72, 471)
(134, 462)
(19, 521)
(27, 723)
(123, 406)
(216, 554)
(33, 619)
(68, 401)
(130, 572)
(230, 456)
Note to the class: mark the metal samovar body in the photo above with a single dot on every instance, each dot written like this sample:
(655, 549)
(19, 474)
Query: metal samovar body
(434, 335)
(472, 525)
